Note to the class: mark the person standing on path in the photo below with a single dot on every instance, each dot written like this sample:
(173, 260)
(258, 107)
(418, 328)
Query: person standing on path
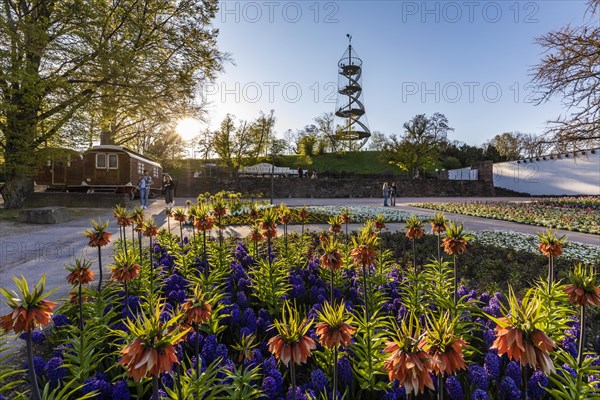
(144, 185)
(169, 188)
(393, 192)
(386, 193)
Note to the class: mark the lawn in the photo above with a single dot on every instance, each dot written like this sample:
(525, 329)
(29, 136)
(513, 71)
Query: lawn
(363, 162)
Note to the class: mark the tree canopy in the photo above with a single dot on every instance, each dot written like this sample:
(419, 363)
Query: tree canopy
(109, 68)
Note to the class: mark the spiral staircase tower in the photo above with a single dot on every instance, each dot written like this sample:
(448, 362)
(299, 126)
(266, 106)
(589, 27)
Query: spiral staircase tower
(351, 122)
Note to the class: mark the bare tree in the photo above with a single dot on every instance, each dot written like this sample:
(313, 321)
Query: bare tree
(570, 69)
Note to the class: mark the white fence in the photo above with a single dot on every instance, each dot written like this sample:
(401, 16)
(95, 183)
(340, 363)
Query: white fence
(463, 174)
(559, 174)
(267, 169)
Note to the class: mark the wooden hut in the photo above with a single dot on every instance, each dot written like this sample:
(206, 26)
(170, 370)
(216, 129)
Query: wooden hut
(104, 168)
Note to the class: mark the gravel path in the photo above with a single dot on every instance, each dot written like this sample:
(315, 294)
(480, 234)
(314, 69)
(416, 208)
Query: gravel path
(34, 250)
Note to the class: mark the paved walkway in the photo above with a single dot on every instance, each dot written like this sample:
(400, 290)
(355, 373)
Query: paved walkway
(32, 250)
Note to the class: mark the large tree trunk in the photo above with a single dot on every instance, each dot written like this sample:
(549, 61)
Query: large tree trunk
(16, 190)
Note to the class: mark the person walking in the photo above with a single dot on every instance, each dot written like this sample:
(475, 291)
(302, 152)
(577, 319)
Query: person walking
(169, 188)
(144, 185)
(386, 193)
(393, 193)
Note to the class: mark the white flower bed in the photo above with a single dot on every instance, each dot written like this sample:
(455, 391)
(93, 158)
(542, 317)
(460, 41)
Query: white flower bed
(361, 214)
(526, 242)
(516, 240)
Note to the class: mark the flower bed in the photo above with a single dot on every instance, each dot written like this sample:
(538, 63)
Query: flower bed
(360, 214)
(541, 214)
(284, 317)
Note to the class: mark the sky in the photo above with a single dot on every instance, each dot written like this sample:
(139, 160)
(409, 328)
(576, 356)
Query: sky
(470, 60)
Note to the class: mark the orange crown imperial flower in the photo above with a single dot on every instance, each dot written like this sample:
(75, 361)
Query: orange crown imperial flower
(302, 214)
(411, 369)
(345, 216)
(583, 290)
(379, 223)
(196, 309)
(268, 223)
(150, 228)
(407, 362)
(122, 216)
(444, 347)
(285, 215)
(30, 311)
(414, 233)
(141, 361)
(152, 351)
(332, 259)
(219, 208)
(456, 240)
(180, 215)
(335, 224)
(518, 335)
(80, 273)
(364, 252)
(125, 268)
(137, 216)
(255, 234)
(550, 244)
(438, 223)
(292, 344)
(98, 237)
(333, 329)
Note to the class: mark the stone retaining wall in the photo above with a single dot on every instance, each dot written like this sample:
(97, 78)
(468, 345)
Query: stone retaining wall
(293, 187)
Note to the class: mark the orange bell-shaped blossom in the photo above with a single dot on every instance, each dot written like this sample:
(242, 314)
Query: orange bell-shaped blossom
(583, 290)
(291, 345)
(414, 227)
(196, 309)
(334, 328)
(29, 310)
(151, 351)
(379, 223)
(150, 228)
(125, 269)
(80, 273)
(122, 216)
(456, 239)
(443, 345)
(179, 215)
(268, 223)
(206, 223)
(364, 253)
(438, 223)
(551, 245)
(407, 363)
(519, 334)
(335, 224)
(255, 235)
(332, 259)
(98, 237)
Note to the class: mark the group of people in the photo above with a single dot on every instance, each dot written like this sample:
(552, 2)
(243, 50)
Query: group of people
(389, 192)
(145, 183)
(308, 174)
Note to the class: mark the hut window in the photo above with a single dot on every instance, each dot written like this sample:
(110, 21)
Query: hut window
(113, 161)
(100, 160)
(140, 168)
(155, 172)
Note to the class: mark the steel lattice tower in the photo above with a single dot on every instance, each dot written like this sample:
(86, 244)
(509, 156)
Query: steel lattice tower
(351, 127)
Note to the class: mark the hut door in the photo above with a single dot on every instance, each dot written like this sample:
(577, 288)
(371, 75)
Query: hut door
(59, 173)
